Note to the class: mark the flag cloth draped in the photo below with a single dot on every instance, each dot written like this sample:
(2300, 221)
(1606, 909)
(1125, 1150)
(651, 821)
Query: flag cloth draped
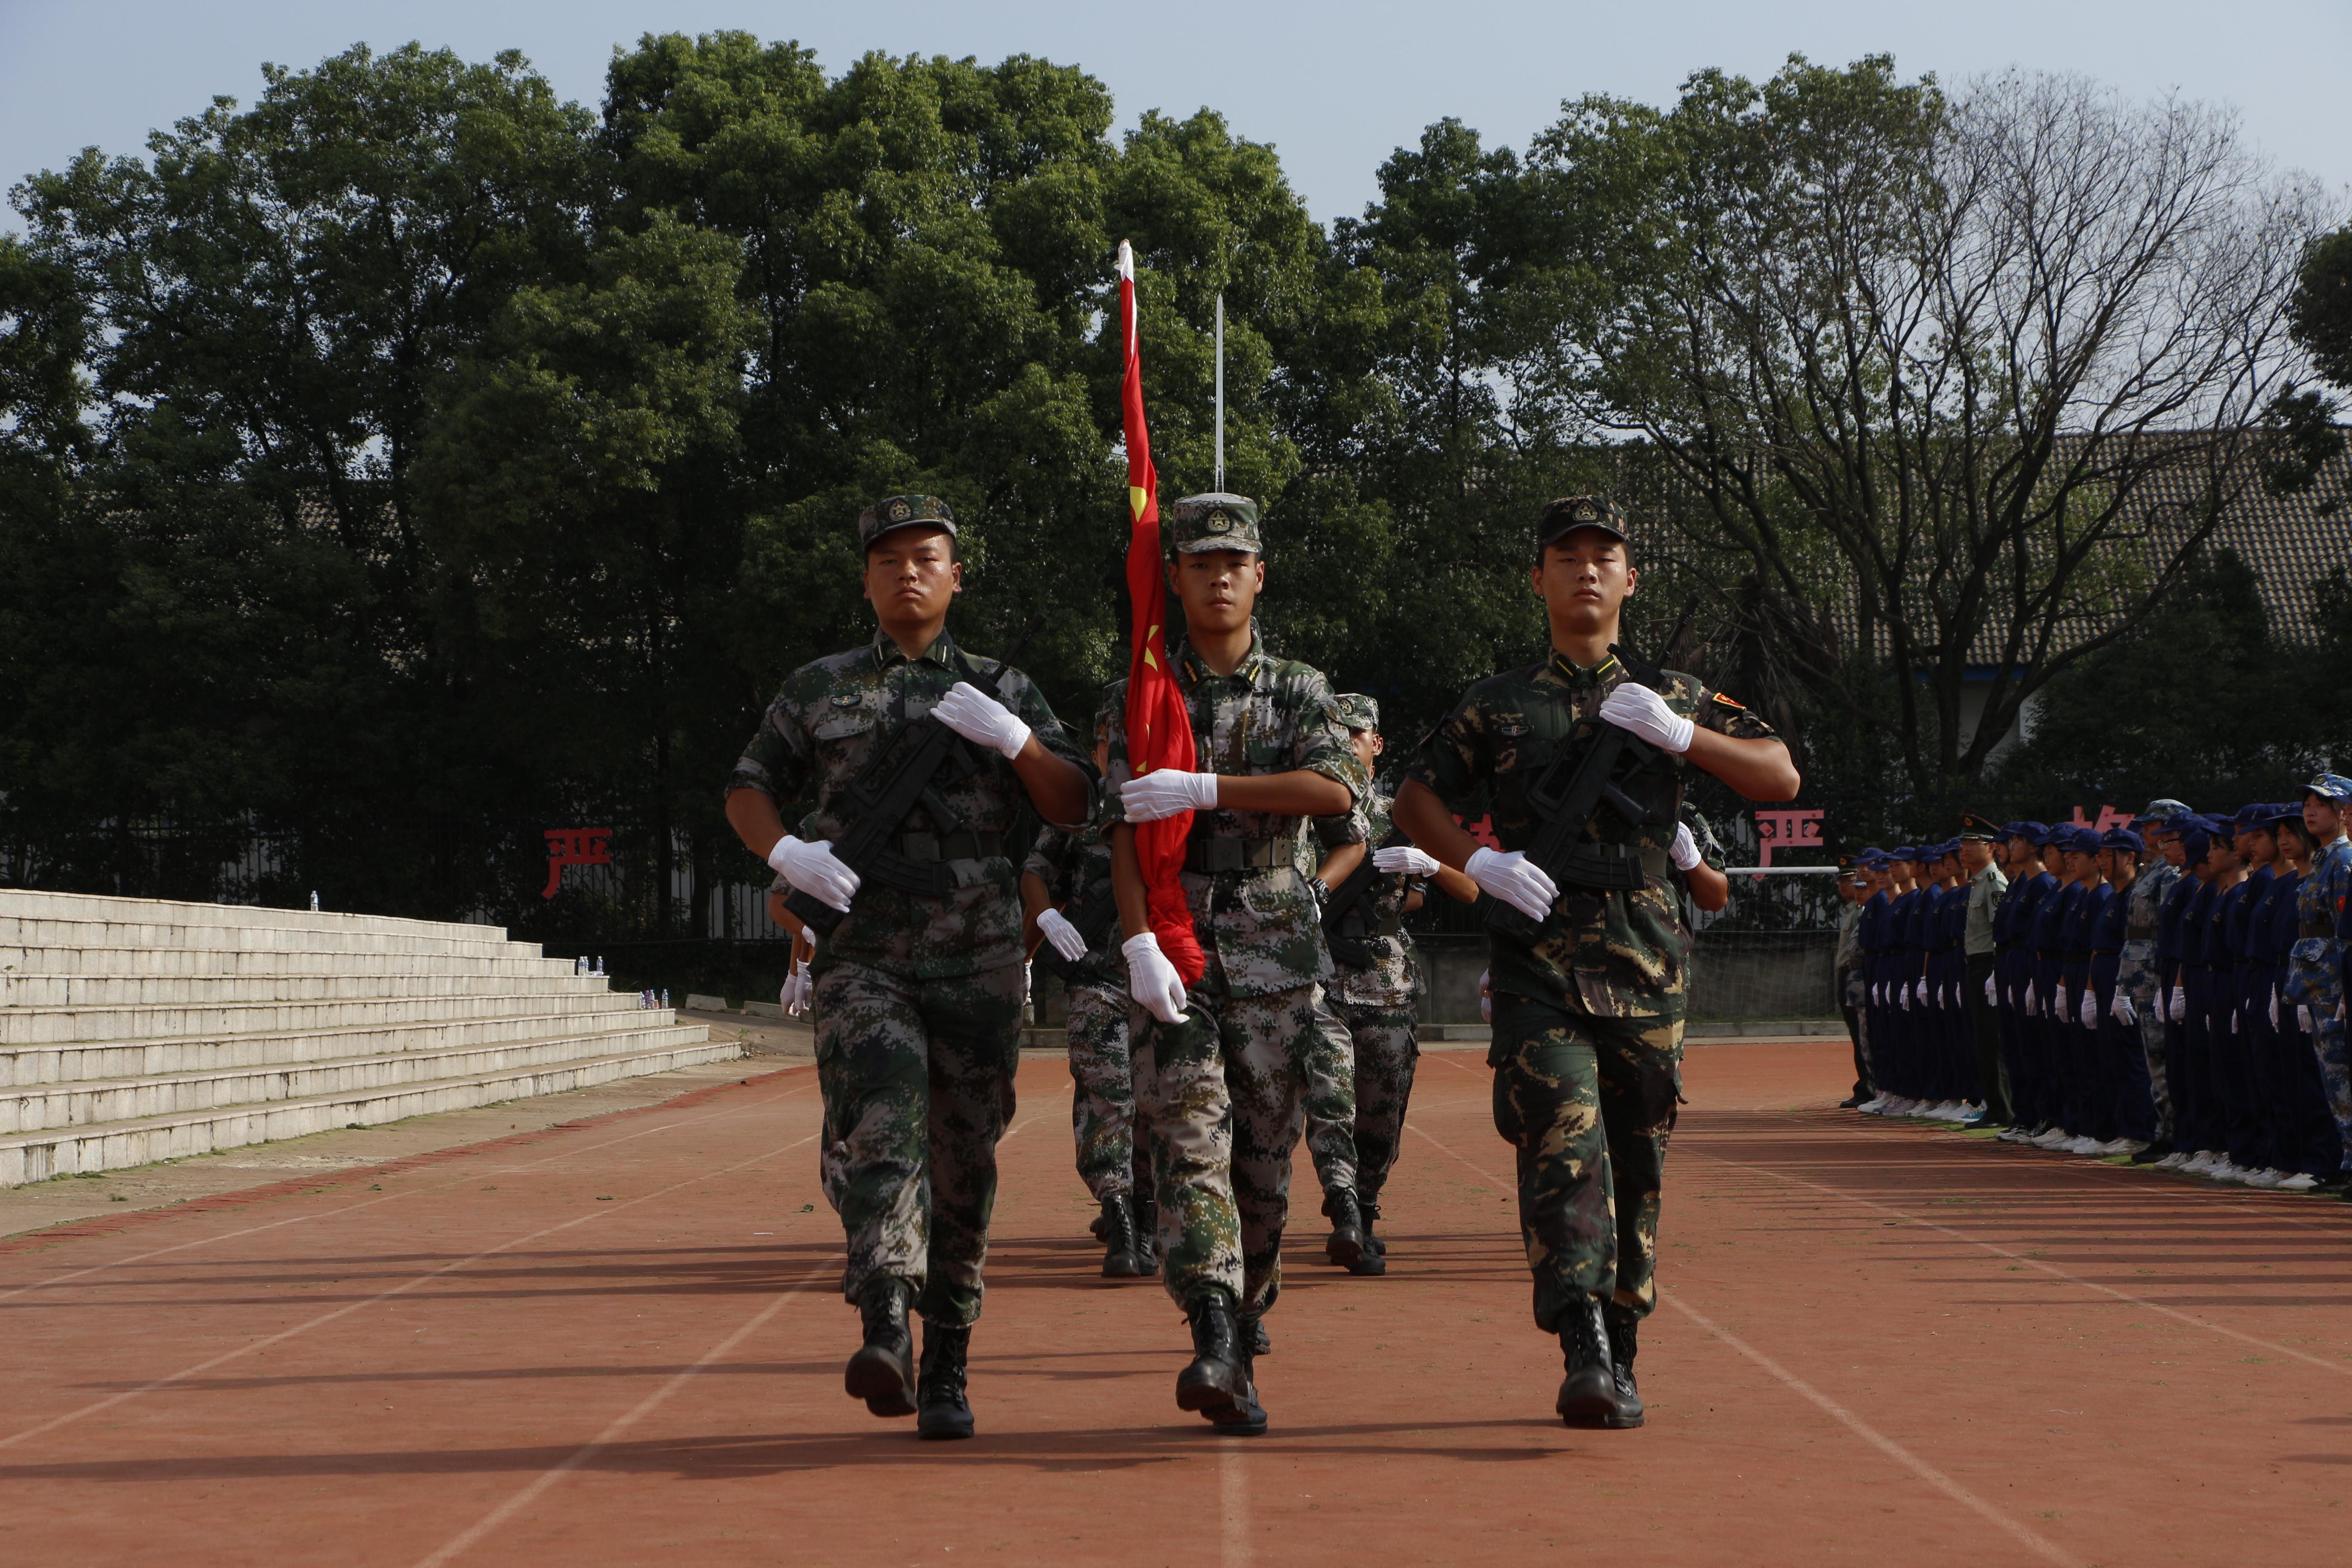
(1158, 726)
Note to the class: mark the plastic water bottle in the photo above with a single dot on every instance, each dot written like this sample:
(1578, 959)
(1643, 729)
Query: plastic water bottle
(314, 900)
(665, 997)
(600, 964)
(580, 965)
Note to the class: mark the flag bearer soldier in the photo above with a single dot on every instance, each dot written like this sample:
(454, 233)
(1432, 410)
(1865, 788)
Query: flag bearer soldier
(1222, 1068)
(1588, 1015)
(1067, 893)
(1373, 989)
(918, 996)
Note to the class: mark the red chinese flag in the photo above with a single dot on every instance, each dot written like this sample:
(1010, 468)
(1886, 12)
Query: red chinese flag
(1158, 726)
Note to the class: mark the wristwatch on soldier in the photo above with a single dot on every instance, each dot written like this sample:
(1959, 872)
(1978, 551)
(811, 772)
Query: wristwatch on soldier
(1320, 889)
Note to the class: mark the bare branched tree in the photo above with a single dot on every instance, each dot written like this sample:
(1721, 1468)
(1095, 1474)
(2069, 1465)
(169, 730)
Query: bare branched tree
(1957, 383)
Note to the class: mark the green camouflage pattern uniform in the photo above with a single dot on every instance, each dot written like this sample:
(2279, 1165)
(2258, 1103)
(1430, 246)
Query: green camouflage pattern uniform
(1222, 1095)
(1075, 866)
(2137, 978)
(916, 1000)
(1373, 1003)
(1589, 1018)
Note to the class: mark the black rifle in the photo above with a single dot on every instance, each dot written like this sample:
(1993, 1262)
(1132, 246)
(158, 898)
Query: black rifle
(1565, 796)
(1351, 891)
(894, 780)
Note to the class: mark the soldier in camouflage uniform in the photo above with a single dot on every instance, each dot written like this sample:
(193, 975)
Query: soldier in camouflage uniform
(1222, 1068)
(1065, 886)
(2138, 977)
(2314, 980)
(1375, 979)
(918, 998)
(1588, 1016)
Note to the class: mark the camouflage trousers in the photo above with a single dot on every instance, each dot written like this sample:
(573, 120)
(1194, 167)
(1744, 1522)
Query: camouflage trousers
(918, 1083)
(2139, 982)
(1220, 1101)
(2332, 1044)
(1383, 1051)
(1111, 1159)
(1588, 1104)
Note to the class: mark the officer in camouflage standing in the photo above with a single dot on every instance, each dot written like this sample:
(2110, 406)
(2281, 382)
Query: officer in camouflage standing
(1587, 1015)
(1067, 893)
(2138, 978)
(1371, 991)
(2315, 964)
(916, 997)
(1222, 1068)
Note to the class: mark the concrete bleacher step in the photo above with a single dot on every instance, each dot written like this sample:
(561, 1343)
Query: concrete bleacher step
(109, 1146)
(134, 1030)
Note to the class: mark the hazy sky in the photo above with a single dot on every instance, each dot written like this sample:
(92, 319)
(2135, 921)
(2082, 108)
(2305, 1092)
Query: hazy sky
(1334, 88)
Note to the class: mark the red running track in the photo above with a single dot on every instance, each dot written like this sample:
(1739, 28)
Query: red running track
(620, 1342)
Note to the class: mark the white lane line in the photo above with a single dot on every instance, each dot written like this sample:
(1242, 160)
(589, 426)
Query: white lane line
(1234, 1506)
(619, 1425)
(599, 1212)
(569, 1153)
(2028, 1260)
(2042, 1545)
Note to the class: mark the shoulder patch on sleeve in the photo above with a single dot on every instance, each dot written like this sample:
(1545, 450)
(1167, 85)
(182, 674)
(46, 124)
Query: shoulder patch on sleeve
(1730, 701)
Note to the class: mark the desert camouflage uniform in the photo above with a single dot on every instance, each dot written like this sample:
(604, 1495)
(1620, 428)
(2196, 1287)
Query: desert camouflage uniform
(1075, 866)
(1222, 1095)
(1371, 1005)
(916, 1000)
(1589, 1018)
(2314, 976)
(2137, 977)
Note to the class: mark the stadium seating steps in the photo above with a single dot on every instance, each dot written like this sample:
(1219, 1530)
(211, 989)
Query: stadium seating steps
(134, 1030)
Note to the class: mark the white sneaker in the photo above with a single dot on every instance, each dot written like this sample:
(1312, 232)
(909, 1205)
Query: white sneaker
(1875, 1106)
(2080, 1145)
(2015, 1135)
(2301, 1181)
(2175, 1161)
(2121, 1146)
(2056, 1138)
(2230, 1171)
(2266, 1177)
(2201, 1163)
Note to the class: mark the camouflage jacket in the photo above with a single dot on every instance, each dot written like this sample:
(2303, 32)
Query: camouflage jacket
(1270, 716)
(1388, 981)
(819, 732)
(2143, 913)
(1075, 866)
(2314, 965)
(1612, 955)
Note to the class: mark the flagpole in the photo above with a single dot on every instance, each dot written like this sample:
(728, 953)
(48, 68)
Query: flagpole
(1220, 485)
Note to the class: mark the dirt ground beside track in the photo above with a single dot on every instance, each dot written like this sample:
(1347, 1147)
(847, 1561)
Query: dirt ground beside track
(618, 1340)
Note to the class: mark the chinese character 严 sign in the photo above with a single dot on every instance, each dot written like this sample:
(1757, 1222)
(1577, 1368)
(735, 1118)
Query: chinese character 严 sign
(1787, 830)
(574, 847)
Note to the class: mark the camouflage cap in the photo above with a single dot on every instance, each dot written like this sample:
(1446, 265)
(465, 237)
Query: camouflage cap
(1355, 710)
(1565, 516)
(2333, 788)
(2163, 809)
(1213, 521)
(902, 512)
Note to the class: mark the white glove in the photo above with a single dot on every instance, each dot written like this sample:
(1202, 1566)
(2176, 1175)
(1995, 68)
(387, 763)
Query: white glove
(2122, 1011)
(2179, 1011)
(2058, 1001)
(795, 996)
(2302, 1016)
(1992, 997)
(1922, 989)
(2273, 1006)
(2233, 1021)
(1152, 980)
(1486, 998)
(1878, 991)
(1063, 935)
(1404, 857)
(981, 720)
(1511, 877)
(1028, 982)
(1684, 852)
(1644, 712)
(810, 867)
(2339, 1012)
(2029, 1001)
(1904, 992)
(2090, 1008)
(1166, 792)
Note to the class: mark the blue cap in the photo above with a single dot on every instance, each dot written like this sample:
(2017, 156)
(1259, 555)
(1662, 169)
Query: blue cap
(2283, 811)
(1902, 852)
(2255, 815)
(1873, 856)
(2334, 788)
(2033, 833)
(2121, 838)
(2196, 842)
(2085, 839)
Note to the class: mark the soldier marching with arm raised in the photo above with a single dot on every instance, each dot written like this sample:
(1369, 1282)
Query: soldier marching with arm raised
(1588, 978)
(1222, 1066)
(917, 983)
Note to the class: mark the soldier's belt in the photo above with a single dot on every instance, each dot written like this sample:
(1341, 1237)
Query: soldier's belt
(1207, 853)
(949, 846)
(1606, 867)
(2141, 934)
(2314, 928)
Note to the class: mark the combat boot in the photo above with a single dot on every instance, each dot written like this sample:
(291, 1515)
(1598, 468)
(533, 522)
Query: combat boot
(1147, 1235)
(1119, 1250)
(882, 1373)
(1588, 1394)
(1370, 1211)
(2152, 1155)
(1260, 1343)
(1623, 1335)
(1216, 1377)
(1346, 1242)
(1245, 1417)
(945, 1413)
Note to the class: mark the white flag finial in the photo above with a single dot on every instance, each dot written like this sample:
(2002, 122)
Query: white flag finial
(1127, 261)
